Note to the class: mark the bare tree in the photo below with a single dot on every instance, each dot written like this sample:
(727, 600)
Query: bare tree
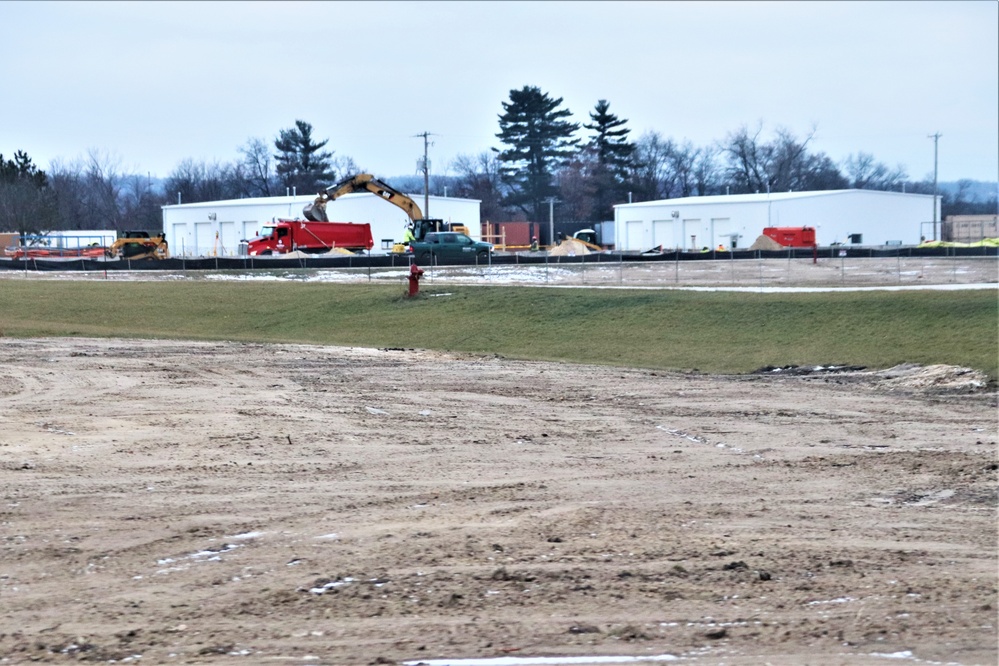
(706, 172)
(654, 177)
(578, 188)
(781, 165)
(89, 192)
(257, 169)
(205, 181)
(103, 179)
(478, 177)
(864, 173)
(140, 204)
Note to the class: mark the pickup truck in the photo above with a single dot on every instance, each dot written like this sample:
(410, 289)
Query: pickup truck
(442, 247)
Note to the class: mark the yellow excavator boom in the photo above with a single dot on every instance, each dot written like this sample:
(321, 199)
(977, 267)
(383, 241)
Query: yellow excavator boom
(362, 182)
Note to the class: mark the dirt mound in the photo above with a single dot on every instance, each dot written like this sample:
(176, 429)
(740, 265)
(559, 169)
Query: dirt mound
(936, 377)
(569, 248)
(766, 243)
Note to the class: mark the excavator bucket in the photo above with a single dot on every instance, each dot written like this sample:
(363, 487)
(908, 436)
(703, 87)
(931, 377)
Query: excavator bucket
(315, 212)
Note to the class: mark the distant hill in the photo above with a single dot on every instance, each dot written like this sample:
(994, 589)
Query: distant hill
(978, 190)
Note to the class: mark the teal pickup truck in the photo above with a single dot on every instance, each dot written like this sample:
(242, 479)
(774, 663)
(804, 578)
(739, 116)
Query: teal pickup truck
(443, 247)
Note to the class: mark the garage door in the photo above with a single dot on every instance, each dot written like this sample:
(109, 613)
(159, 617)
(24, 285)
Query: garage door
(721, 232)
(228, 241)
(693, 239)
(662, 233)
(203, 238)
(633, 235)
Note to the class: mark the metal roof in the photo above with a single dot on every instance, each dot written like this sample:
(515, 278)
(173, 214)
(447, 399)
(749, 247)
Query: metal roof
(297, 199)
(759, 198)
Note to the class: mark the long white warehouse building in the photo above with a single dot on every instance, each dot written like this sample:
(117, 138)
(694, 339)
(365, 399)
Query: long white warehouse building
(847, 217)
(215, 228)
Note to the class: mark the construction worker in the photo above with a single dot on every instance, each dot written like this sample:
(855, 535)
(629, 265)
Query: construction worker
(408, 237)
(721, 247)
(534, 243)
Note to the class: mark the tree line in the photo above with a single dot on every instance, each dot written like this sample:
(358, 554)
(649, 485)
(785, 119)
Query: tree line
(544, 164)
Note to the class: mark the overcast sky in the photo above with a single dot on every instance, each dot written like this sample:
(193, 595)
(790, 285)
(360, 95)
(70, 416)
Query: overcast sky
(153, 83)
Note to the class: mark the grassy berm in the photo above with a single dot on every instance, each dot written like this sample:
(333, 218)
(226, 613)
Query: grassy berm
(708, 332)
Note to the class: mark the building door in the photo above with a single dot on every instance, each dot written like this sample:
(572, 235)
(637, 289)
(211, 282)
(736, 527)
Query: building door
(227, 245)
(633, 235)
(721, 232)
(178, 238)
(250, 229)
(692, 237)
(662, 234)
(203, 238)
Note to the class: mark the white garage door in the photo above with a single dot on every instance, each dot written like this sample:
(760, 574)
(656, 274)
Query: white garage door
(721, 232)
(662, 233)
(692, 236)
(228, 241)
(633, 235)
(203, 238)
(250, 229)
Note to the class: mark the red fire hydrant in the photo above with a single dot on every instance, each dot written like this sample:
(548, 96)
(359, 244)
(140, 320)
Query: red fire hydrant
(415, 272)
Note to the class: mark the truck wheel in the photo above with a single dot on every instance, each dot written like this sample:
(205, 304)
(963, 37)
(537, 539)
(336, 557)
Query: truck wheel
(425, 257)
(483, 256)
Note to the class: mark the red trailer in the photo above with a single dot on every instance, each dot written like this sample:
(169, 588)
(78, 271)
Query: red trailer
(792, 236)
(312, 237)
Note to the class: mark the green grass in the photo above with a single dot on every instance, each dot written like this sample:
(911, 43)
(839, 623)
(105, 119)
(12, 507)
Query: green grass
(710, 332)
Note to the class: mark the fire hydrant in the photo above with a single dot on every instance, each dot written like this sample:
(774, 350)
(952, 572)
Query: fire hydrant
(415, 272)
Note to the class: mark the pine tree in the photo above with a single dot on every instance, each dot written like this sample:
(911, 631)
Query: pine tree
(27, 203)
(614, 159)
(301, 162)
(540, 141)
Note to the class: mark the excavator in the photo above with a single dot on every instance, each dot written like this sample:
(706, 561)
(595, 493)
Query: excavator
(365, 182)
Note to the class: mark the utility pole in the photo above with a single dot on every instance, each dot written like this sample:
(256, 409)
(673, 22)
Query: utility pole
(424, 166)
(936, 139)
(551, 219)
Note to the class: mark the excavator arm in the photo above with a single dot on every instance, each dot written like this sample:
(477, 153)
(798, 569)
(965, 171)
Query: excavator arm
(362, 182)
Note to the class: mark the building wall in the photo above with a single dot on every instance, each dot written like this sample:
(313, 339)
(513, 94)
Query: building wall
(859, 217)
(970, 228)
(191, 228)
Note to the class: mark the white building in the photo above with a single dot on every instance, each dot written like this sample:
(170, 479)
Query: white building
(216, 228)
(848, 217)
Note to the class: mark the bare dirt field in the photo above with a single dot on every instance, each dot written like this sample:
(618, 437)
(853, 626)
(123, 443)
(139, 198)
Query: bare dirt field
(165, 502)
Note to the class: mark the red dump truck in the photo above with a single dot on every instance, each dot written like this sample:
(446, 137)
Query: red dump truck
(792, 236)
(285, 236)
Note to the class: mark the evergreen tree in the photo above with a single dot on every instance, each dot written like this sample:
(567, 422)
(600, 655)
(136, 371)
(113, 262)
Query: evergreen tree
(614, 160)
(27, 204)
(301, 162)
(22, 168)
(539, 141)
